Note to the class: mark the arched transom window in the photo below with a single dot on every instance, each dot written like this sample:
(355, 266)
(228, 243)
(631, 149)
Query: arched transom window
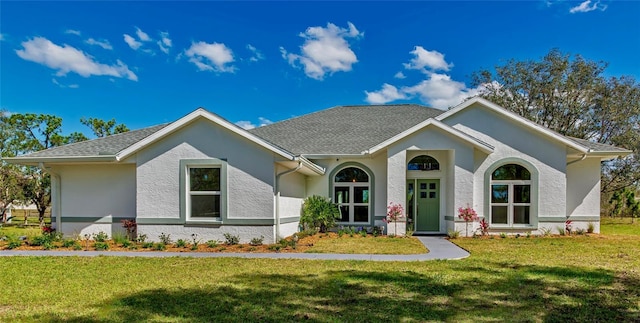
(511, 196)
(351, 193)
(423, 162)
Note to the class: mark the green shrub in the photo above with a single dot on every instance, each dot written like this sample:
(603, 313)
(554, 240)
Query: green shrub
(363, 233)
(39, 240)
(147, 245)
(101, 245)
(503, 235)
(141, 238)
(230, 239)
(561, 231)
(212, 243)
(14, 244)
(181, 243)
(591, 227)
(70, 243)
(119, 238)
(257, 241)
(160, 246)
(100, 237)
(165, 238)
(319, 213)
(127, 244)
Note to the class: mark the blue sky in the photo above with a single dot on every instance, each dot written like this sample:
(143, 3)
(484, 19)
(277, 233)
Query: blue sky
(145, 63)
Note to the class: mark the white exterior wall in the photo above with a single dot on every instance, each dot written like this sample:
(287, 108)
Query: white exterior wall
(456, 174)
(512, 141)
(250, 172)
(103, 193)
(377, 164)
(583, 193)
(249, 191)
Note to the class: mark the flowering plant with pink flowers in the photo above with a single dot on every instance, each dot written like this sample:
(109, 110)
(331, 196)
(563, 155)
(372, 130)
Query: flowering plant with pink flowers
(468, 214)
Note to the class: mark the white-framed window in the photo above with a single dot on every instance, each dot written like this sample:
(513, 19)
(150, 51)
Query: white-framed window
(204, 193)
(510, 192)
(203, 190)
(352, 194)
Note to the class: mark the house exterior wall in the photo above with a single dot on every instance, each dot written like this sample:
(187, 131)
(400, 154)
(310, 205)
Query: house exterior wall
(456, 175)
(292, 188)
(249, 191)
(513, 143)
(95, 198)
(583, 193)
(376, 164)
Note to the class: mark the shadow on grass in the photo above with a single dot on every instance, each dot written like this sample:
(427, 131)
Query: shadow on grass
(505, 292)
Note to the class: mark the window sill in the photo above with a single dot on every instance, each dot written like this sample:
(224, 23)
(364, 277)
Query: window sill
(513, 227)
(204, 222)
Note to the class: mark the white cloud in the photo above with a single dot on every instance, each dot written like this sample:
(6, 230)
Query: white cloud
(387, 94)
(211, 57)
(400, 75)
(257, 55)
(132, 42)
(423, 59)
(142, 35)
(165, 42)
(67, 59)
(71, 86)
(440, 91)
(72, 32)
(102, 43)
(325, 50)
(244, 124)
(586, 6)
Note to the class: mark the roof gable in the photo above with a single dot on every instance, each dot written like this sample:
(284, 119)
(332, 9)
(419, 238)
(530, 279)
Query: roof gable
(195, 115)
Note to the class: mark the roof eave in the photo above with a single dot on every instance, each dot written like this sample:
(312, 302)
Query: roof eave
(60, 160)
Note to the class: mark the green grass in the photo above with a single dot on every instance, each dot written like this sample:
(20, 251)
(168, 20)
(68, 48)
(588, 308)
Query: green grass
(611, 225)
(562, 279)
(370, 245)
(15, 231)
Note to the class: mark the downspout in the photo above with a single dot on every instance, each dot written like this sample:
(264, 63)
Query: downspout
(277, 188)
(55, 198)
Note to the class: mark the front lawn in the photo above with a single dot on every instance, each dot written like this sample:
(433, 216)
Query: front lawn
(579, 278)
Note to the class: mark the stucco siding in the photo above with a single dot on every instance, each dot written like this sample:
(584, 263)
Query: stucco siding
(98, 190)
(250, 168)
(583, 188)
(512, 143)
(245, 233)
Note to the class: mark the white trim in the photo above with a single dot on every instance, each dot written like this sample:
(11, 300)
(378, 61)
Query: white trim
(200, 113)
(59, 159)
(436, 123)
(514, 117)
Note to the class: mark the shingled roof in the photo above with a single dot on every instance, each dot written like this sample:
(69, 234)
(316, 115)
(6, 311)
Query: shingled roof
(109, 145)
(598, 147)
(344, 130)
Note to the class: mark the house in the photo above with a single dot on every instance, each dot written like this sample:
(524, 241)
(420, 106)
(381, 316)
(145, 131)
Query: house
(203, 175)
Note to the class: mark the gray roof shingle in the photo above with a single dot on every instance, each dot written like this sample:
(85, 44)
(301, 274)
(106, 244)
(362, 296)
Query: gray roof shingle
(597, 147)
(109, 145)
(344, 129)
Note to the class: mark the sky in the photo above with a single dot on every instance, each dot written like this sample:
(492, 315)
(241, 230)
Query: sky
(253, 63)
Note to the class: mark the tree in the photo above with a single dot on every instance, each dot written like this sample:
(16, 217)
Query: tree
(572, 96)
(30, 133)
(103, 128)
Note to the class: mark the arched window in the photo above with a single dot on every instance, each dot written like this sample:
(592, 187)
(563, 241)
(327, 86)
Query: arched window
(351, 193)
(511, 195)
(423, 162)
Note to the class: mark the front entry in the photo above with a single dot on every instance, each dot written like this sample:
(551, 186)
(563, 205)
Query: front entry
(424, 203)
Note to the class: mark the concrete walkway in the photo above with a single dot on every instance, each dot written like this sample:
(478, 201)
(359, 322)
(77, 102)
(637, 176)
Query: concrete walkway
(439, 249)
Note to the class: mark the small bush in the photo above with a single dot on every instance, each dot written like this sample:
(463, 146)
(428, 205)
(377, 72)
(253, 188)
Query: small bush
(453, 234)
(39, 240)
(147, 245)
(195, 241)
(275, 247)
(363, 233)
(545, 232)
(561, 231)
(591, 227)
(160, 246)
(580, 231)
(307, 233)
(101, 246)
(212, 243)
(528, 234)
(257, 241)
(14, 244)
(165, 238)
(69, 243)
(127, 244)
(100, 236)
(181, 243)
(119, 238)
(319, 213)
(503, 235)
(141, 238)
(230, 239)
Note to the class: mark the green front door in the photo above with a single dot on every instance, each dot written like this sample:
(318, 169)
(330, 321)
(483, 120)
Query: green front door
(427, 197)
